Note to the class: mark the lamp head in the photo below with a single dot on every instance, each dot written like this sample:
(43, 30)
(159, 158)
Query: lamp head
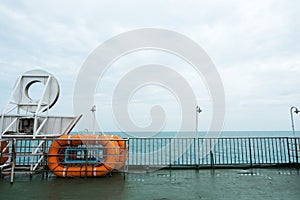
(198, 109)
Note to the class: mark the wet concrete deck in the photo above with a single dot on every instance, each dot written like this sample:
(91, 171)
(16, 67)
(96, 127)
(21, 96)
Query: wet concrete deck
(217, 184)
(279, 183)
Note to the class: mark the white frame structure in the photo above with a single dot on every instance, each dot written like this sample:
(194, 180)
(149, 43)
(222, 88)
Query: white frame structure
(21, 107)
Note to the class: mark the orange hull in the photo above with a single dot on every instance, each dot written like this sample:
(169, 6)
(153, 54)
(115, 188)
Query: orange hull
(3, 146)
(115, 150)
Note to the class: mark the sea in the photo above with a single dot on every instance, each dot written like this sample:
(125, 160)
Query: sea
(171, 134)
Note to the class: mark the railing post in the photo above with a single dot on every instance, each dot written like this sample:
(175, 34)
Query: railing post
(296, 152)
(250, 152)
(170, 153)
(212, 163)
(126, 152)
(13, 161)
(196, 153)
(288, 149)
(86, 152)
(44, 157)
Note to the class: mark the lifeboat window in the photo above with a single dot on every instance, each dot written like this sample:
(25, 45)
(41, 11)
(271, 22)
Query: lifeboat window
(81, 155)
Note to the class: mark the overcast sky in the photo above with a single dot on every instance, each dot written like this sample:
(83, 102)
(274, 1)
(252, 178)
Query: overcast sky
(255, 46)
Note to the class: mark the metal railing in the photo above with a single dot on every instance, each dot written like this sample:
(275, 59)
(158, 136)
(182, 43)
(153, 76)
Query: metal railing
(213, 152)
(30, 156)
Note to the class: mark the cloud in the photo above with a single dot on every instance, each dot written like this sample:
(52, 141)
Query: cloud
(254, 44)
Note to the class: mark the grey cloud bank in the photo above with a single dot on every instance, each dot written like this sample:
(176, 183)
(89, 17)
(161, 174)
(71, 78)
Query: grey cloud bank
(254, 45)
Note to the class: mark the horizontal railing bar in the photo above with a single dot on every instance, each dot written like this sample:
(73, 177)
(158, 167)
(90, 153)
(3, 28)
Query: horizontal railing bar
(146, 138)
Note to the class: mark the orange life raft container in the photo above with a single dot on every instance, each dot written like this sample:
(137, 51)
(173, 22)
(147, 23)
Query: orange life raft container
(4, 149)
(67, 147)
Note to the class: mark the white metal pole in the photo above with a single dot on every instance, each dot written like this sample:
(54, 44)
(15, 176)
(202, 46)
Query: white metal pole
(292, 118)
(94, 118)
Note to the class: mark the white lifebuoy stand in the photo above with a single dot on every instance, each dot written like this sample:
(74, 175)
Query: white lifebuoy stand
(25, 116)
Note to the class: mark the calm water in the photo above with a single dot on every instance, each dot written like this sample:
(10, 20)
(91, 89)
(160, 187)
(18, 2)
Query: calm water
(203, 134)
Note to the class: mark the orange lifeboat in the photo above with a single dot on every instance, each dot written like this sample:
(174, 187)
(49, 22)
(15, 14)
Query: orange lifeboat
(3, 149)
(86, 155)
(123, 152)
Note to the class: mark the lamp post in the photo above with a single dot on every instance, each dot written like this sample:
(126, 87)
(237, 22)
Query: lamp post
(292, 117)
(198, 110)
